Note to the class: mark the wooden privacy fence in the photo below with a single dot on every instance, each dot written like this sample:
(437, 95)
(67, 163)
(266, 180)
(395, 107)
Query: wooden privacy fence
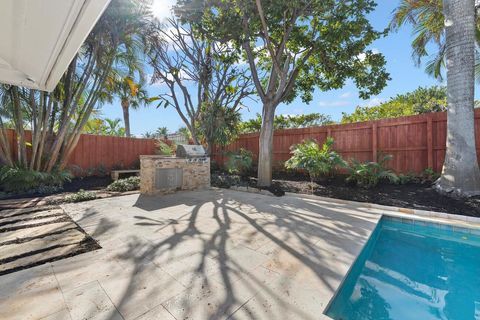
(416, 142)
(96, 153)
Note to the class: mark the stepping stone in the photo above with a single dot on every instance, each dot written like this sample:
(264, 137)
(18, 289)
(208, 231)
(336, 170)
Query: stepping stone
(40, 258)
(32, 223)
(13, 212)
(68, 237)
(35, 231)
(30, 215)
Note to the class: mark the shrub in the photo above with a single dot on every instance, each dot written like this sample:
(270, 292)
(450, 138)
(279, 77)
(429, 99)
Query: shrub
(80, 196)
(369, 174)
(19, 180)
(428, 175)
(317, 161)
(164, 148)
(122, 185)
(239, 162)
(407, 178)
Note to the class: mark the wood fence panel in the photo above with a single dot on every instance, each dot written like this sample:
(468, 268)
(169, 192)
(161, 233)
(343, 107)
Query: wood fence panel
(95, 152)
(416, 142)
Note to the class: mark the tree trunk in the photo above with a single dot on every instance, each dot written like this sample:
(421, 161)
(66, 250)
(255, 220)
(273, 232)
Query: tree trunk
(126, 116)
(265, 156)
(18, 116)
(460, 173)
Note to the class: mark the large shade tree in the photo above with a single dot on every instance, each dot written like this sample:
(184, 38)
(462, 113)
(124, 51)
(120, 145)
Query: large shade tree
(293, 47)
(453, 26)
(56, 119)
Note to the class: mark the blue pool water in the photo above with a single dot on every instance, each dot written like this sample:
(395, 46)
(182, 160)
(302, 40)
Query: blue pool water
(413, 270)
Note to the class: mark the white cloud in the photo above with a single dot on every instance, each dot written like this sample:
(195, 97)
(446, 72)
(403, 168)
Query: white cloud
(337, 103)
(373, 102)
(162, 9)
(346, 95)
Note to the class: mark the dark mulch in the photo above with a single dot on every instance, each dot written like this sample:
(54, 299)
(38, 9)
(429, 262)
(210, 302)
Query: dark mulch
(87, 183)
(413, 195)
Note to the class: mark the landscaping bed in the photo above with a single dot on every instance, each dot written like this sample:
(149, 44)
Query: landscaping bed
(411, 195)
(72, 191)
(89, 183)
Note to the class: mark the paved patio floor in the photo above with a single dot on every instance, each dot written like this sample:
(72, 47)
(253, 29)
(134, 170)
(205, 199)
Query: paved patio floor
(212, 254)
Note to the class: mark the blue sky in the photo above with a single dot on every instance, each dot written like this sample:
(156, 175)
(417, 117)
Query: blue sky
(396, 48)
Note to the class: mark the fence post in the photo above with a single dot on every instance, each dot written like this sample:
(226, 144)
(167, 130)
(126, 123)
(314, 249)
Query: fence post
(374, 142)
(429, 142)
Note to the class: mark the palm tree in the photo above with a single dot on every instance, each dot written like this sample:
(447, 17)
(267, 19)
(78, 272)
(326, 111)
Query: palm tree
(454, 27)
(162, 132)
(427, 20)
(460, 173)
(113, 128)
(131, 95)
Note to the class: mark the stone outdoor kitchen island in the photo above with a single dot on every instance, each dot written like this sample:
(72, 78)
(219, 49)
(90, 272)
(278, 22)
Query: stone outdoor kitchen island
(188, 170)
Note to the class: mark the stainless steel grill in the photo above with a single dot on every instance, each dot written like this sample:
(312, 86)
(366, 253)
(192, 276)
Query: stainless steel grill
(193, 153)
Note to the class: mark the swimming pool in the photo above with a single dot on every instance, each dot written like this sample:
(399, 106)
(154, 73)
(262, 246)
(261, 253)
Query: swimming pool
(413, 270)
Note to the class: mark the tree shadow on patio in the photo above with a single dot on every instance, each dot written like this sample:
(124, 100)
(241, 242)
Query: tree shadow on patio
(242, 255)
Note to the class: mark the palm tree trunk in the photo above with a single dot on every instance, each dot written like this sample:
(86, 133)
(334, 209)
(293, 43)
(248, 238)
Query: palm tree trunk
(126, 116)
(265, 155)
(460, 173)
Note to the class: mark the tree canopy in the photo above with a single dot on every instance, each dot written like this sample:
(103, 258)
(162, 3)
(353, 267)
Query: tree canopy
(292, 48)
(421, 100)
(287, 122)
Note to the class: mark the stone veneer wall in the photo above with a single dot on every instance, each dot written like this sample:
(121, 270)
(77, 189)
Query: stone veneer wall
(196, 175)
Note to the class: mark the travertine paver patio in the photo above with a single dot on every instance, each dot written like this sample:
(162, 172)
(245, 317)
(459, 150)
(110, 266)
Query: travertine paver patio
(196, 255)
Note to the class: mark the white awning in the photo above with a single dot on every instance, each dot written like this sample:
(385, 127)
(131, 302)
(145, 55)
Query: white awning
(39, 38)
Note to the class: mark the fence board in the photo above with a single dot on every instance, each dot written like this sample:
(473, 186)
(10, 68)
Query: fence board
(416, 142)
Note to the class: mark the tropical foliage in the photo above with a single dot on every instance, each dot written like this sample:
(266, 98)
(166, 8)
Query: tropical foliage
(369, 174)
(287, 122)
(218, 125)
(239, 162)
(421, 100)
(427, 19)
(318, 161)
(57, 119)
(164, 148)
(19, 180)
(130, 93)
(105, 127)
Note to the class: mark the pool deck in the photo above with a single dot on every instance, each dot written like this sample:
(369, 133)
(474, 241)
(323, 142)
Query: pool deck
(215, 254)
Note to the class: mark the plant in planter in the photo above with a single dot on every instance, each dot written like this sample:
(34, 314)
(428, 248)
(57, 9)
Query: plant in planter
(369, 174)
(317, 161)
(239, 162)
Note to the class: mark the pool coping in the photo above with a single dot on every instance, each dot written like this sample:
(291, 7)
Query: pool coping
(431, 216)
